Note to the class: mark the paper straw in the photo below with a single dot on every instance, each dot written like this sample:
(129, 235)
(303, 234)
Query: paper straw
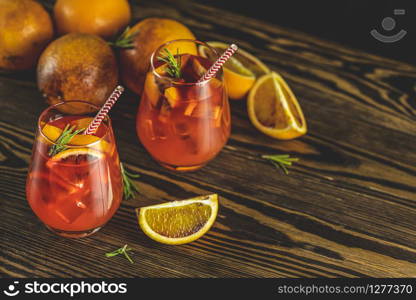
(104, 110)
(219, 63)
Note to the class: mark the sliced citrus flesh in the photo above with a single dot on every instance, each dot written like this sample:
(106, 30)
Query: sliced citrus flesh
(53, 133)
(76, 155)
(82, 123)
(240, 71)
(179, 222)
(172, 94)
(274, 110)
(151, 89)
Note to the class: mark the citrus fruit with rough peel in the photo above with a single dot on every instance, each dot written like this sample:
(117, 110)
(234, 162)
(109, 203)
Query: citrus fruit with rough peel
(76, 155)
(77, 66)
(274, 110)
(179, 222)
(53, 133)
(26, 28)
(240, 71)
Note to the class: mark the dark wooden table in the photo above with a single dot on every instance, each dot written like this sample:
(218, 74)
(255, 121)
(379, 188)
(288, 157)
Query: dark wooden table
(348, 208)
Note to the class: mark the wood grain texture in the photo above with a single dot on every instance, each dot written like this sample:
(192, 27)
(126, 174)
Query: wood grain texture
(347, 209)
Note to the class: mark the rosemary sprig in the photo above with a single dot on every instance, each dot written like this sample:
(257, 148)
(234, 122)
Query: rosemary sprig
(124, 40)
(123, 250)
(130, 188)
(173, 64)
(60, 144)
(281, 161)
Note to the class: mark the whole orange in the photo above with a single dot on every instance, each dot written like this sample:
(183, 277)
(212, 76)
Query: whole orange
(101, 17)
(149, 34)
(25, 30)
(77, 66)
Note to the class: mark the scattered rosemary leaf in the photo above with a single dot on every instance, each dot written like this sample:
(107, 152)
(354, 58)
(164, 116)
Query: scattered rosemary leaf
(130, 188)
(123, 250)
(281, 161)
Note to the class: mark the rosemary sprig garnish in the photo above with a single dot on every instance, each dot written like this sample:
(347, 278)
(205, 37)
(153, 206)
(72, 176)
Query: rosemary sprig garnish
(173, 67)
(67, 134)
(125, 40)
(123, 250)
(281, 161)
(130, 188)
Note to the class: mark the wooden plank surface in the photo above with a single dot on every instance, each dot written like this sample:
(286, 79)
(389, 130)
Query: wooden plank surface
(348, 208)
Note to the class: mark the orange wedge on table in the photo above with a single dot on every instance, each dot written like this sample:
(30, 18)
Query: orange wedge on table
(179, 222)
(274, 110)
(240, 71)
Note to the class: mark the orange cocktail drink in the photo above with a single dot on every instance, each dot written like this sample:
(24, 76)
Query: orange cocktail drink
(183, 124)
(76, 189)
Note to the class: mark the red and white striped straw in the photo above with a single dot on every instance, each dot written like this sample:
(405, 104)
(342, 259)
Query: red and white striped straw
(104, 110)
(219, 63)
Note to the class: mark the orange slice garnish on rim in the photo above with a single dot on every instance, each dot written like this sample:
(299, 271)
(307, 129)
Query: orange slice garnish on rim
(53, 133)
(240, 71)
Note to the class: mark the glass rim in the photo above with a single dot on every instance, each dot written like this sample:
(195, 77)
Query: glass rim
(152, 57)
(53, 106)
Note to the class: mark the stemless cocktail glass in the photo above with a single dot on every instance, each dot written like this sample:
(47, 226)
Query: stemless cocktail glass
(75, 190)
(183, 123)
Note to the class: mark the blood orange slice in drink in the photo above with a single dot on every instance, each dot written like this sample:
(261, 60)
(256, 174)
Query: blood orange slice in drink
(81, 123)
(76, 167)
(173, 96)
(76, 155)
